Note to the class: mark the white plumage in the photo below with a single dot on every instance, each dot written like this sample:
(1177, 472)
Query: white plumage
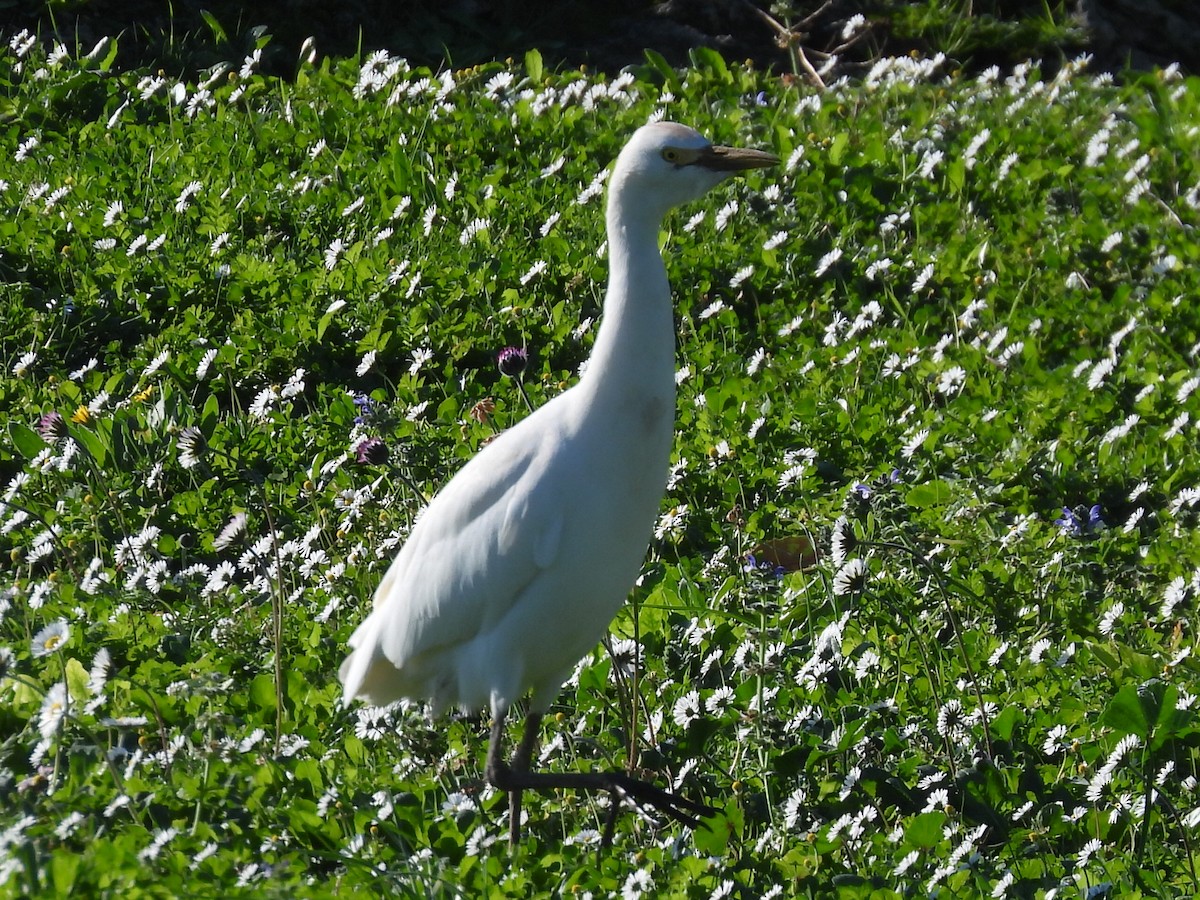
(520, 562)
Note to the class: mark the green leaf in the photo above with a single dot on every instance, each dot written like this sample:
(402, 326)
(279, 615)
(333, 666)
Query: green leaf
(925, 830)
(957, 176)
(659, 63)
(593, 679)
(1104, 656)
(77, 678)
(314, 636)
(27, 441)
(323, 323)
(110, 55)
(715, 832)
(210, 414)
(1125, 713)
(302, 816)
(214, 27)
(64, 868)
(262, 691)
(1141, 666)
(91, 443)
(1004, 724)
(355, 749)
(706, 58)
(1168, 717)
(533, 65)
(308, 770)
(837, 150)
(928, 495)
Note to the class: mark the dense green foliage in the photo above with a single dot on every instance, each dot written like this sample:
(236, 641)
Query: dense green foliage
(960, 307)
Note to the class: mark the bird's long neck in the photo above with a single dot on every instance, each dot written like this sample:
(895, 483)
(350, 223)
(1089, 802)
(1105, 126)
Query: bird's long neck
(633, 359)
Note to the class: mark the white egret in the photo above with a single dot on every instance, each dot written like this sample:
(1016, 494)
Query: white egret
(518, 565)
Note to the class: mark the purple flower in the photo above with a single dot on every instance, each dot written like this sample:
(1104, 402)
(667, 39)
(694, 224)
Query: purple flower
(1073, 523)
(766, 567)
(371, 451)
(512, 361)
(366, 408)
(1067, 521)
(51, 427)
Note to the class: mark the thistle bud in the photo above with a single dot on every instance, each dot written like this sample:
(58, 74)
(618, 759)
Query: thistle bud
(512, 361)
(371, 451)
(52, 426)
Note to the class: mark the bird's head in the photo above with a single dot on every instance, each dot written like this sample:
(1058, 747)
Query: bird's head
(666, 164)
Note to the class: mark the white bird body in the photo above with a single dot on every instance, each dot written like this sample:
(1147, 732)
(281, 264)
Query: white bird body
(518, 565)
(479, 606)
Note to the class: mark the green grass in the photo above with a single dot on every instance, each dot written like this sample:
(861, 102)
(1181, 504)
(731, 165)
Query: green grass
(961, 306)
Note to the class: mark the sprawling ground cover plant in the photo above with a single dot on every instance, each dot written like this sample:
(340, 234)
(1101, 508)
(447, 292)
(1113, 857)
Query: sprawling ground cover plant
(919, 618)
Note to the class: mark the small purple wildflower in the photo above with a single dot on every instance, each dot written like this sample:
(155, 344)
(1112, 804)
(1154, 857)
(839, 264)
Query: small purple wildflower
(753, 567)
(371, 451)
(1067, 521)
(1073, 523)
(512, 361)
(366, 408)
(52, 426)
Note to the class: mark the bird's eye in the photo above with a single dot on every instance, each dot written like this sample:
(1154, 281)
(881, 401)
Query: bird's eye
(671, 155)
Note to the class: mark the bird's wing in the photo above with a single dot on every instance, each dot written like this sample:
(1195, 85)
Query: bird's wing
(482, 540)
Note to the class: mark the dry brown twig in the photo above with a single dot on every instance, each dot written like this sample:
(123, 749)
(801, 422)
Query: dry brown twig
(792, 40)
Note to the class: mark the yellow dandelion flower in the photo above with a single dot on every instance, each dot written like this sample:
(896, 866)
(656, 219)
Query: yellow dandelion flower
(143, 395)
(82, 416)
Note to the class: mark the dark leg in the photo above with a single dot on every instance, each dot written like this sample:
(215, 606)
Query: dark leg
(496, 767)
(517, 777)
(520, 765)
(498, 772)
